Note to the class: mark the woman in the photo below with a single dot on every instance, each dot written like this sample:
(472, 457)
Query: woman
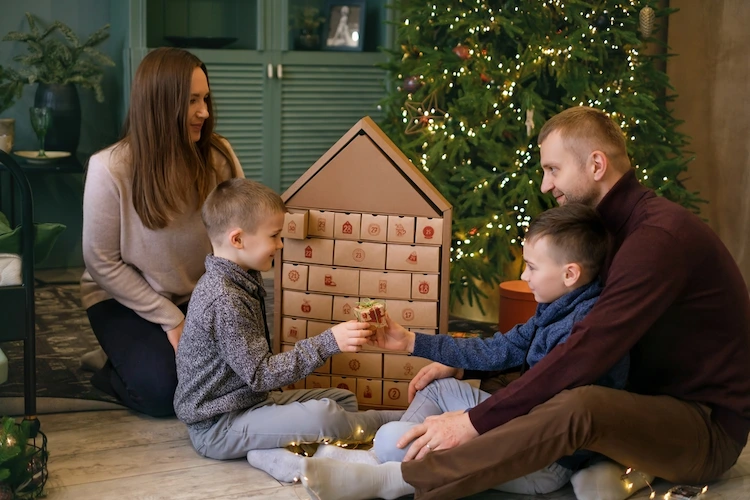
(144, 243)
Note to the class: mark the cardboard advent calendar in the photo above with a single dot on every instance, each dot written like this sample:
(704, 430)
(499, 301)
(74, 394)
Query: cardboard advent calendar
(363, 222)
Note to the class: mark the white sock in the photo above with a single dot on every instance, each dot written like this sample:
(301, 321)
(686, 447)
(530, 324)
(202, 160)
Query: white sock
(93, 361)
(280, 463)
(346, 455)
(603, 481)
(327, 479)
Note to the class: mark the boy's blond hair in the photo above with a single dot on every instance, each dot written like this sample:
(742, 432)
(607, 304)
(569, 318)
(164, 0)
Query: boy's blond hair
(238, 202)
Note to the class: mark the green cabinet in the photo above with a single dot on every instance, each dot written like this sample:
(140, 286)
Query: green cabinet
(280, 108)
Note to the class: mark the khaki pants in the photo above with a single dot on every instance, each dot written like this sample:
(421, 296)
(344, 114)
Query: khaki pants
(659, 435)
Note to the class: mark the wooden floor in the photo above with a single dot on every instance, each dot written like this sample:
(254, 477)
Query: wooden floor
(118, 454)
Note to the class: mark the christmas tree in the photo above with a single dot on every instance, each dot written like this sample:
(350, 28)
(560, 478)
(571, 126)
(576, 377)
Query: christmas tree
(474, 80)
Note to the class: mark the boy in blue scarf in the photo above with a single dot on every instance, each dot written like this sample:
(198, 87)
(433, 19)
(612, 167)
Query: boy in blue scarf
(564, 251)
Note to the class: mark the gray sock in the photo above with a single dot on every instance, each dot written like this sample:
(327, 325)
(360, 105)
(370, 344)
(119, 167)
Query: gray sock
(604, 481)
(280, 463)
(344, 454)
(327, 479)
(93, 361)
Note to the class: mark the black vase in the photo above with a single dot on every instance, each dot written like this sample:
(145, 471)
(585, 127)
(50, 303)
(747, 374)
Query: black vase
(64, 131)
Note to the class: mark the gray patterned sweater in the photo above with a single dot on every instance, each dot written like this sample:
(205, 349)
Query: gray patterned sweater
(224, 363)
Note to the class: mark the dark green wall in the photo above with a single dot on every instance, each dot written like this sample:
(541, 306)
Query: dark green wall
(58, 197)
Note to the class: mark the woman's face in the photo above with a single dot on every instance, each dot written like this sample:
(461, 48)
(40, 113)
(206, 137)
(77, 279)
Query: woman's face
(198, 109)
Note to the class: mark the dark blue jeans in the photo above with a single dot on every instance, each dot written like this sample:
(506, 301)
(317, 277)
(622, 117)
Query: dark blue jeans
(141, 369)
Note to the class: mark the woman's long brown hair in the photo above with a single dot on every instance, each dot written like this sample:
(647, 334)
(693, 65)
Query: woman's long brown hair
(168, 167)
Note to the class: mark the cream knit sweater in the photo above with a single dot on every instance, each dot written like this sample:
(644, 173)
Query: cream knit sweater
(148, 271)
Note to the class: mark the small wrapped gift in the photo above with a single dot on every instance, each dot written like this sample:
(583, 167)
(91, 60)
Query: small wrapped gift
(371, 311)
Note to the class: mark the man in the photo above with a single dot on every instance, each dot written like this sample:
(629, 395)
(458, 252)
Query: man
(673, 297)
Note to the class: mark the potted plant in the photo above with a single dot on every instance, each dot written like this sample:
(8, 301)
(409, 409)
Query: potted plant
(11, 86)
(58, 61)
(308, 23)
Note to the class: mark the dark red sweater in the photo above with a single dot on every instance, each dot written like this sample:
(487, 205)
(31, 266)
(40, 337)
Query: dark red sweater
(673, 297)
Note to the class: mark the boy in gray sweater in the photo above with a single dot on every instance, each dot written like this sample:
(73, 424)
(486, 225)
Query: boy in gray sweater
(228, 378)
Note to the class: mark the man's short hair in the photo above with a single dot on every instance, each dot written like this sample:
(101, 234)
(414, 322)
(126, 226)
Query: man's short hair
(239, 202)
(576, 233)
(584, 129)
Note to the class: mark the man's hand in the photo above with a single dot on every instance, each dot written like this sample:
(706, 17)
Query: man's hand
(174, 335)
(352, 335)
(429, 373)
(439, 432)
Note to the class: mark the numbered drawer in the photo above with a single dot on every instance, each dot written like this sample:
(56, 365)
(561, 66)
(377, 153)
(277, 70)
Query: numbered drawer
(324, 368)
(293, 329)
(402, 366)
(333, 280)
(429, 231)
(395, 393)
(343, 308)
(359, 254)
(374, 227)
(347, 383)
(401, 229)
(317, 327)
(347, 226)
(376, 284)
(370, 392)
(413, 313)
(294, 276)
(307, 305)
(300, 384)
(295, 226)
(317, 382)
(413, 258)
(320, 223)
(359, 364)
(309, 251)
(424, 286)
(426, 331)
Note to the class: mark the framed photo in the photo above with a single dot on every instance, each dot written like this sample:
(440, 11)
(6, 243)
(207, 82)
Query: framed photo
(345, 29)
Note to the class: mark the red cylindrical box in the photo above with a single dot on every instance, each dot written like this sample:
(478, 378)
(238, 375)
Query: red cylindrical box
(517, 304)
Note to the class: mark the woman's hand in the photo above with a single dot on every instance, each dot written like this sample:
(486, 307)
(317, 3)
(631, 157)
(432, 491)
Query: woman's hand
(174, 335)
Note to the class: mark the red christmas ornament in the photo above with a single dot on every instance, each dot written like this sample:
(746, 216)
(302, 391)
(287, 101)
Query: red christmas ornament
(412, 84)
(462, 51)
(485, 78)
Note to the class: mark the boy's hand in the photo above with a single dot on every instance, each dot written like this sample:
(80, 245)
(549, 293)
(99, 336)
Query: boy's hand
(174, 335)
(395, 337)
(428, 374)
(352, 335)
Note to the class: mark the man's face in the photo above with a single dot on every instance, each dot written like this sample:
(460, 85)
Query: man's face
(564, 175)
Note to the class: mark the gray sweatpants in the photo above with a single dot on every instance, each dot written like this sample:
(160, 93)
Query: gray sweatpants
(300, 416)
(449, 394)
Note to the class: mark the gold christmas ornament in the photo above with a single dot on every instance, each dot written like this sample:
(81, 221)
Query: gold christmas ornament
(646, 17)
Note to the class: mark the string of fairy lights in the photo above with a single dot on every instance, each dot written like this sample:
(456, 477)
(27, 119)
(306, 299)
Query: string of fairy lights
(433, 121)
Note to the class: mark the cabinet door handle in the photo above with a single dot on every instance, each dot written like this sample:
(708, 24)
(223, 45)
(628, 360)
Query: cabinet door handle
(270, 70)
(279, 71)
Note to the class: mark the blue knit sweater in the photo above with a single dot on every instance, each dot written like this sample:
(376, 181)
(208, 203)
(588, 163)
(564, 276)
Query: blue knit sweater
(550, 326)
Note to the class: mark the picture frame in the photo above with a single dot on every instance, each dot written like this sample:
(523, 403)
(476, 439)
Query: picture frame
(345, 25)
